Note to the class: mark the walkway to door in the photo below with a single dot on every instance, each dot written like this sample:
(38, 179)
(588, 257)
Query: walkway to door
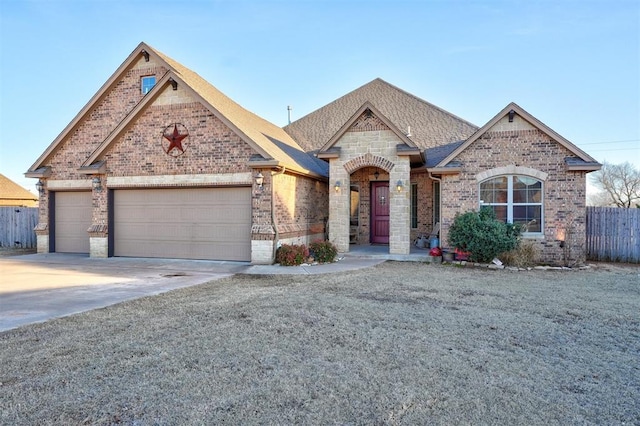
(381, 251)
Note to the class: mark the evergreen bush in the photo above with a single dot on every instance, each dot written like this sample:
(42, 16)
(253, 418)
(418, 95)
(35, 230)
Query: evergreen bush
(323, 251)
(481, 234)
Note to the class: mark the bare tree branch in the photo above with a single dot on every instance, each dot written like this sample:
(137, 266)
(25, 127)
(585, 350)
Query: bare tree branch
(621, 182)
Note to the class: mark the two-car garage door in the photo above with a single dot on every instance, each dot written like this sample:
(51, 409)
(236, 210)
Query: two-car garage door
(183, 223)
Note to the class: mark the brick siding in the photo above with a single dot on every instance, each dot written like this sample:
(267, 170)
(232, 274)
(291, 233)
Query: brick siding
(564, 191)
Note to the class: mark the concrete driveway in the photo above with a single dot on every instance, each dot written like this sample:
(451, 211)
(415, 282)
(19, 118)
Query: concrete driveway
(38, 287)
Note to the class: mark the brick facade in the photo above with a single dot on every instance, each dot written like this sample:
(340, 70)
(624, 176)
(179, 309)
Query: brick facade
(122, 131)
(533, 153)
(214, 155)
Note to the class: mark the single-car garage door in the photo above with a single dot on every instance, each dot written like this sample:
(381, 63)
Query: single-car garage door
(186, 223)
(72, 219)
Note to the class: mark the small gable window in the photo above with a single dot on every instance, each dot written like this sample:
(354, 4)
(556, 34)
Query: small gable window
(147, 83)
(515, 199)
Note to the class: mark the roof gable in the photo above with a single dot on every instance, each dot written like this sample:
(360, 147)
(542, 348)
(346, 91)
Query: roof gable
(104, 89)
(358, 117)
(511, 111)
(429, 125)
(268, 140)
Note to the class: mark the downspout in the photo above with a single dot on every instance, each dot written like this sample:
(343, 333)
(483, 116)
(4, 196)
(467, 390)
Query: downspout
(273, 211)
(439, 180)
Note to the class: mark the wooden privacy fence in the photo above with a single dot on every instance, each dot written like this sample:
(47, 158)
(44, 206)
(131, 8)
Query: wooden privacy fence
(612, 234)
(16, 226)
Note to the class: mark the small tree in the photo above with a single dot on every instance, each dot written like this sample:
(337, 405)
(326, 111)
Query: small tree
(481, 234)
(620, 183)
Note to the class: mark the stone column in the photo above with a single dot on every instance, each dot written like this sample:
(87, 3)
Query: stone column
(339, 206)
(399, 213)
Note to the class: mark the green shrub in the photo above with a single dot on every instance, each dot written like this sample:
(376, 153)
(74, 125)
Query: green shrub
(481, 234)
(323, 251)
(291, 255)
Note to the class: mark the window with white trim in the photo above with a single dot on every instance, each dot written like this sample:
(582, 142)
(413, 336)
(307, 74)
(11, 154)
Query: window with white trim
(515, 199)
(147, 83)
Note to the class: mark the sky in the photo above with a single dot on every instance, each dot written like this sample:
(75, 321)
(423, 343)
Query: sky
(573, 64)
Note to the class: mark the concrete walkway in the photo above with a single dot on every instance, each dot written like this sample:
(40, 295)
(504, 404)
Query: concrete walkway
(38, 287)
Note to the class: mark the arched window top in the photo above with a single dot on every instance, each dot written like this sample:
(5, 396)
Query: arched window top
(515, 199)
(511, 170)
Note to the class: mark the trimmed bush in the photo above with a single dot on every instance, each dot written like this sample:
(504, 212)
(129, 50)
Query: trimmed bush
(291, 255)
(323, 251)
(481, 234)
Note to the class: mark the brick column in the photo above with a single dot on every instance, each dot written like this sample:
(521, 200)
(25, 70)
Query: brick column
(262, 229)
(99, 229)
(42, 228)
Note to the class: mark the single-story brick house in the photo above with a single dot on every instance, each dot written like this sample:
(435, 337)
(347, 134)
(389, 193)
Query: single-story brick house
(159, 163)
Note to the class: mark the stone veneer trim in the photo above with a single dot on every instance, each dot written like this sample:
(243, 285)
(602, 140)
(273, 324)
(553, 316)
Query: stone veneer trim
(68, 184)
(180, 180)
(511, 170)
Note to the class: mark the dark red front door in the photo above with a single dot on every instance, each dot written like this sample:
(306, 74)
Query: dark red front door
(380, 212)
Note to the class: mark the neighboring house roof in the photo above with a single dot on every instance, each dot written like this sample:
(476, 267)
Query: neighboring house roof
(275, 146)
(429, 125)
(12, 194)
(581, 161)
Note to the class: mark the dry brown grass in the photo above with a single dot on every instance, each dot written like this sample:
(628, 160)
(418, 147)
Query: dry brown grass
(526, 255)
(400, 343)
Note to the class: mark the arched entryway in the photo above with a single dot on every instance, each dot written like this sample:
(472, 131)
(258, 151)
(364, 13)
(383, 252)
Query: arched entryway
(369, 206)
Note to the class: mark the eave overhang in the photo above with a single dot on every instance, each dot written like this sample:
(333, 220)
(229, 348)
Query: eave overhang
(270, 163)
(40, 173)
(97, 168)
(585, 167)
(451, 170)
(333, 152)
(415, 154)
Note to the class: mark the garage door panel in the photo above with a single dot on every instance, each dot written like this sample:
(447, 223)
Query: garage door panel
(186, 223)
(73, 211)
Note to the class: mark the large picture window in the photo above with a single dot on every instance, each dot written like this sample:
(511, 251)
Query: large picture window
(515, 199)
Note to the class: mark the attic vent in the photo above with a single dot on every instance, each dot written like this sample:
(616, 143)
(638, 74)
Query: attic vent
(511, 114)
(146, 55)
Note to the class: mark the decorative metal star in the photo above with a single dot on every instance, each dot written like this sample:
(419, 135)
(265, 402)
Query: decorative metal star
(175, 139)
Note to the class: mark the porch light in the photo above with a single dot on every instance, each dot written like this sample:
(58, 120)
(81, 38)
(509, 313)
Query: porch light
(376, 174)
(259, 180)
(560, 237)
(40, 186)
(399, 186)
(337, 186)
(96, 183)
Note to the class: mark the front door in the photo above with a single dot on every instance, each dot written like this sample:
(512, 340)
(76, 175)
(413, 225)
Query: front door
(380, 212)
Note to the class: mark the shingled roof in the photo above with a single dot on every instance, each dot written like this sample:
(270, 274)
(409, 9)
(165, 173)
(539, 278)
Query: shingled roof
(12, 194)
(275, 146)
(430, 125)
